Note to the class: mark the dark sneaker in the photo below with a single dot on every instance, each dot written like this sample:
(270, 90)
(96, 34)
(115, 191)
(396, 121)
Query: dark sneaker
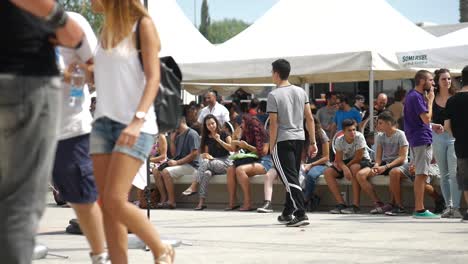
(266, 208)
(456, 213)
(284, 219)
(298, 221)
(380, 208)
(313, 204)
(351, 210)
(338, 209)
(447, 213)
(465, 217)
(439, 205)
(396, 211)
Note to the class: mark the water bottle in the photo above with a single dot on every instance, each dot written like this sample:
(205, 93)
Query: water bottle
(77, 82)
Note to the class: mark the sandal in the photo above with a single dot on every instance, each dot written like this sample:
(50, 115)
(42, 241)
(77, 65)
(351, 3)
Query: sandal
(200, 208)
(165, 205)
(249, 209)
(232, 208)
(188, 192)
(167, 257)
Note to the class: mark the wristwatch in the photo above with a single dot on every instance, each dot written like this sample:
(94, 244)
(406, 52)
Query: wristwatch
(140, 115)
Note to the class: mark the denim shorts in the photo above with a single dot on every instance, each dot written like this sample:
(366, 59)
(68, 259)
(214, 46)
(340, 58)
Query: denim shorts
(73, 171)
(266, 162)
(105, 134)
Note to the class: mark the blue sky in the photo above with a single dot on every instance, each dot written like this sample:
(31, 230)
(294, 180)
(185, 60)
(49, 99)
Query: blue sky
(436, 11)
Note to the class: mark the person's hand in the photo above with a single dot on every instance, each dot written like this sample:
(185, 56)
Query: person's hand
(412, 169)
(172, 163)
(438, 128)
(243, 144)
(216, 136)
(378, 170)
(347, 174)
(207, 156)
(430, 95)
(312, 150)
(130, 134)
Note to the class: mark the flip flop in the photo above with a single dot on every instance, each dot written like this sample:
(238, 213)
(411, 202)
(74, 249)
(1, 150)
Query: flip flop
(250, 209)
(188, 192)
(201, 208)
(232, 208)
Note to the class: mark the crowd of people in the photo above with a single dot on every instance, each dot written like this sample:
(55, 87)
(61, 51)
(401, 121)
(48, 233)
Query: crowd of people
(420, 137)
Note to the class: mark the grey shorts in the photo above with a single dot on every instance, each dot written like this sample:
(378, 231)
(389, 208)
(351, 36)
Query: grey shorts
(462, 174)
(405, 169)
(422, 156)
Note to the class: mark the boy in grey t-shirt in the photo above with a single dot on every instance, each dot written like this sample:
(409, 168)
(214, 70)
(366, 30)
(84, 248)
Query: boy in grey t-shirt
(351, 156)
(392, 152)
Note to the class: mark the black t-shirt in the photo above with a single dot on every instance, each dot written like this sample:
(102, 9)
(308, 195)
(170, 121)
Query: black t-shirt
(438, 114)
(215, 149)
(25, 48)
(456, 109)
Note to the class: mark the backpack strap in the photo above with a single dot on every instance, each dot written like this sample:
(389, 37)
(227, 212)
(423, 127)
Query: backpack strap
(138, 43)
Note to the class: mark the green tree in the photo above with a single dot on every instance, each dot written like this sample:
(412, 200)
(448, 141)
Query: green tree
(205, 19)
(84, 8)
(223, 30)
(463, 11)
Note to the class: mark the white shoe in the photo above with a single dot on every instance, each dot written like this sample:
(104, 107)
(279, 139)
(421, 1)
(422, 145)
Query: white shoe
(102, 258)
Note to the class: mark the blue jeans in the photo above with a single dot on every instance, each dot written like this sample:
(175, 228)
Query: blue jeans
(29, 114)
(444, 153)
(311, 178)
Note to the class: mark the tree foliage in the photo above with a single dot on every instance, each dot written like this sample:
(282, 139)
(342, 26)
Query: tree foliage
(205, 19)
(223, 30)
(463, 11)
(84, 8)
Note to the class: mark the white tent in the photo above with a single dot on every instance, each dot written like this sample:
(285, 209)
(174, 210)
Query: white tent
(325, 41)
(179, 37)
(451, 52)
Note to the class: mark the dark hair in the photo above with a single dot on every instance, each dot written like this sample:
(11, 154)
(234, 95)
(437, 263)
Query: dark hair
(206, 132)
(400, 93)
(437, 74)
(387, 117)
(347, 123)
(343, 98)
(254, 133)
(282, 67)
(421, 75)
(464, 77)
(254, 103)
(359, 97)
(263, 106)
(329, 95)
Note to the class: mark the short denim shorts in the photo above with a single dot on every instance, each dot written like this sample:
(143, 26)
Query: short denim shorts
(266, 162)
(105, 134)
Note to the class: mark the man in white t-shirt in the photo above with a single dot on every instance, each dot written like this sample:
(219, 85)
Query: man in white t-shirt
(213, 107)
(351, 156)
(73, 168)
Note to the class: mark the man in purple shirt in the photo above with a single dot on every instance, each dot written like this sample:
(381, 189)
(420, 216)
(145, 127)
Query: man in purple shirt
(417, 117)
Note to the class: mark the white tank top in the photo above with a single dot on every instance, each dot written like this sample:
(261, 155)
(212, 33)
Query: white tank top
(120, 83)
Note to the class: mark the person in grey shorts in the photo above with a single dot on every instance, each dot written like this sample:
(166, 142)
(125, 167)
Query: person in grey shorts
(408, 171)
(417, 116)
(456, 124)
(29, 114)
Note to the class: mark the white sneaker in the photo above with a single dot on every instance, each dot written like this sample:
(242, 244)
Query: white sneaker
(102, 258)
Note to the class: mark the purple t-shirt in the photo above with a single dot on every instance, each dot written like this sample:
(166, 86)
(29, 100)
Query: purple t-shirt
(417, 132)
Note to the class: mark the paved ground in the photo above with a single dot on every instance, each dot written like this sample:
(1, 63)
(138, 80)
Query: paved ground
(236, 237)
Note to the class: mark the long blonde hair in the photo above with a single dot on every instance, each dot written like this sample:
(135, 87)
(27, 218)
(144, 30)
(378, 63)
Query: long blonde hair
(119, 18)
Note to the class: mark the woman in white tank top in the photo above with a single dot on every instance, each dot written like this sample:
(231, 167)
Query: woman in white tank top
(124, 122)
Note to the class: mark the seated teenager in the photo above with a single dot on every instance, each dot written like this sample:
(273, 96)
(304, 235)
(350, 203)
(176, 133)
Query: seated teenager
(408, 171)
(392, 152)
(351, 156)
(215, 146)
(184, 148)
(314, 167)
(253, 140)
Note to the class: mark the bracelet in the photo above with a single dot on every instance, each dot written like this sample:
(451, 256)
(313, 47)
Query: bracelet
(57, 18)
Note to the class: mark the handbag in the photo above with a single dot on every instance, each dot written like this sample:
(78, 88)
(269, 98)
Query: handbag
(168, 103)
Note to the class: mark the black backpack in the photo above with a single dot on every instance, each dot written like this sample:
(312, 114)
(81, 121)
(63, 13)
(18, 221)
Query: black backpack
(168, 103)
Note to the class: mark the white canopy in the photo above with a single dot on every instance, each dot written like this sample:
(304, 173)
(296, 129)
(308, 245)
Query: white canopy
(325, 41)
(179, 37)
(451, 52)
